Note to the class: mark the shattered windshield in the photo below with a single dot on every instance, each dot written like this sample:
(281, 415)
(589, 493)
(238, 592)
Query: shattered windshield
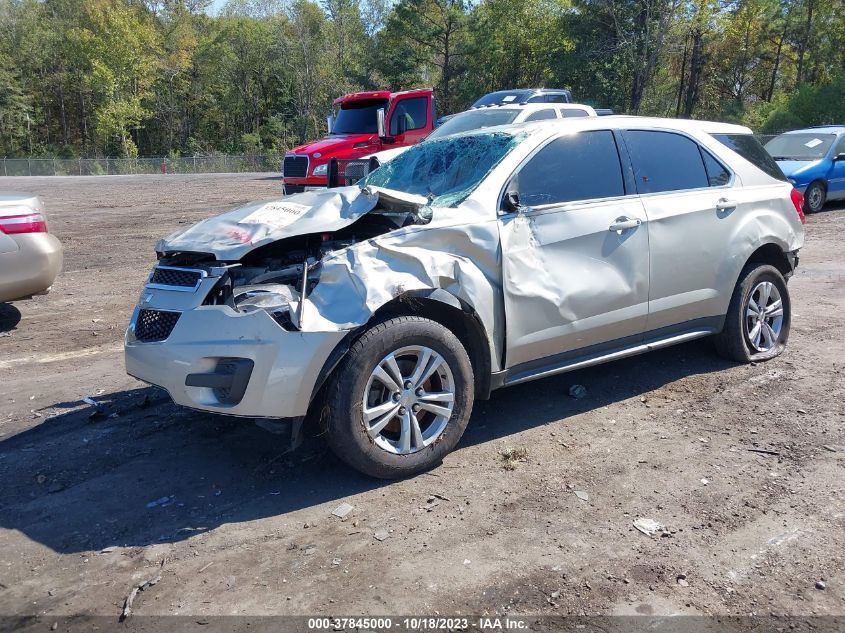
(444, 170)
(474, 120)
(800, 146)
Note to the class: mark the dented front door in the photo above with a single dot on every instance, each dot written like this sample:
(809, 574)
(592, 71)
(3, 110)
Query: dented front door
(575, 273)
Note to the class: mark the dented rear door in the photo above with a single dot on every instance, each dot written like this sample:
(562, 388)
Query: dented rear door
(575, 258)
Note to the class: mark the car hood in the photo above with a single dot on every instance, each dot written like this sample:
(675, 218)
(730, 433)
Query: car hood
(232, 235)
(792, 168)
(331, 144)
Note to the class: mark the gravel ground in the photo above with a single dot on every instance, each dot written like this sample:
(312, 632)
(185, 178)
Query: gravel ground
(743, 465)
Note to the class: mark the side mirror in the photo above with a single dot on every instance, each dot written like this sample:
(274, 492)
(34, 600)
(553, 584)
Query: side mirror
(839, 157)
(382, 132)
(510, 203)
(330, 122)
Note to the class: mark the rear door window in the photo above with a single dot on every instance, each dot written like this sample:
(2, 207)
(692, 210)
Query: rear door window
(665, 161)
(582, 166)
(573, 112)
(751, 150)
(541, 115)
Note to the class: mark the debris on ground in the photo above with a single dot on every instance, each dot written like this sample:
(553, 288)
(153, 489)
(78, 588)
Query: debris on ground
(100, 411)
(582, 495)
(578, 392)
(127, 604)
(513, 456)
(705, 481)
(829, 448)
(763, 451)
(820, 585)
(682, 580)
(342, 510)
(649, 527)
(159, 502)
(381, 535)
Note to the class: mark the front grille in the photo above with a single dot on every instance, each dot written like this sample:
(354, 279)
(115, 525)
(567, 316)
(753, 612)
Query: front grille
(295, 166)
(175, 277)
(155, 325)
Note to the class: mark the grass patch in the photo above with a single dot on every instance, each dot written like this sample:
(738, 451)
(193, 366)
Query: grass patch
(513, 456)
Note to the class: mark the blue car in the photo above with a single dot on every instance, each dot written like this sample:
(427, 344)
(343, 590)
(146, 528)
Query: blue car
(814, 161)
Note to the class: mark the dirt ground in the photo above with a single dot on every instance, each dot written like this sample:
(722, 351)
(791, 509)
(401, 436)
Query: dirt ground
(93, 503)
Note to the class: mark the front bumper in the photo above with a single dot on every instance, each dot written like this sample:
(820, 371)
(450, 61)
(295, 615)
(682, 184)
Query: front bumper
(298, 185)
(193, 363)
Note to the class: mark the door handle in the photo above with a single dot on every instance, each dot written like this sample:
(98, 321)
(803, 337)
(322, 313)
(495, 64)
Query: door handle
(624, 223)
(724, 204)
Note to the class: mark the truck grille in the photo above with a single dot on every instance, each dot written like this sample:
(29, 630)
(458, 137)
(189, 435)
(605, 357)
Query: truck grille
(175, 277)
(295, 166)
(155, 325)
(354, 170)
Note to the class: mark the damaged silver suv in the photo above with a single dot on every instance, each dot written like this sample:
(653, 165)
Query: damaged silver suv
(469, 263)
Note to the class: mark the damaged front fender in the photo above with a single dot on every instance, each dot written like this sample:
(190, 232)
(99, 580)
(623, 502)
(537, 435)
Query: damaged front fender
(461, 260)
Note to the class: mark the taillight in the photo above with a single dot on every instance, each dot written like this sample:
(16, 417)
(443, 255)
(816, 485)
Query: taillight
(798, 201)
(28, 223)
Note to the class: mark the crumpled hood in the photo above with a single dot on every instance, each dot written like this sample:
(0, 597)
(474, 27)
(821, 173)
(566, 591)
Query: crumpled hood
(232, 235)
(792, 168)
(331, 144)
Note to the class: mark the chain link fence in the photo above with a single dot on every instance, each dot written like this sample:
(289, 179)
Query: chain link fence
(132, 166)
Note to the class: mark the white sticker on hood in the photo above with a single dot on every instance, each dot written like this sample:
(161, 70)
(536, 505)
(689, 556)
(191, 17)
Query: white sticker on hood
(275, 214)
(813, 143)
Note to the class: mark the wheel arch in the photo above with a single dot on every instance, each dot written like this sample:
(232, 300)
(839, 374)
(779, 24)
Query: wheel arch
(438, 305)
(772, 254)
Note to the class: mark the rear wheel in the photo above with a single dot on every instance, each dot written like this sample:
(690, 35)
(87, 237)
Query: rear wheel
(401, 398)
(758, 318)
(814, 197)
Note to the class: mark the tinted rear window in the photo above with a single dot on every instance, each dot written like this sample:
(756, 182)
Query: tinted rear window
(664, 161)
(751, 150)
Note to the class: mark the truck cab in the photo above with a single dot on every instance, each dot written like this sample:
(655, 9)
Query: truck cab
(361, 124)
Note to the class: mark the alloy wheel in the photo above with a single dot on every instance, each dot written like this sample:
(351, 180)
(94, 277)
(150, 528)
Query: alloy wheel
(408, 400)
(764, 316)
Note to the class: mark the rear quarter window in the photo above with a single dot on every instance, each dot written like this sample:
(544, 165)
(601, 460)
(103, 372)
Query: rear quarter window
(751, 150)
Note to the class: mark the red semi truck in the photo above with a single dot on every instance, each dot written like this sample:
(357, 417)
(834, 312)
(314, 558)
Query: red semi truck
(361, 124)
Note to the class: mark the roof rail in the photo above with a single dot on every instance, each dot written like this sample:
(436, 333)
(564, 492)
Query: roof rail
(826, 125)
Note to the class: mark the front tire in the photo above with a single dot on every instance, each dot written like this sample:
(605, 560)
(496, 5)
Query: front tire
(401, 398)
(759, 316)
(814, 197)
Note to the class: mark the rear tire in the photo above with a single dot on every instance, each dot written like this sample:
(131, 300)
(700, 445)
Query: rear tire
(814, 197)
(758, 318)
(401, 398)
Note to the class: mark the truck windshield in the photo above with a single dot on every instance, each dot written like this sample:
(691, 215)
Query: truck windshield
(358, 117)
(807, 146)
(444, 170)
(474, 120)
